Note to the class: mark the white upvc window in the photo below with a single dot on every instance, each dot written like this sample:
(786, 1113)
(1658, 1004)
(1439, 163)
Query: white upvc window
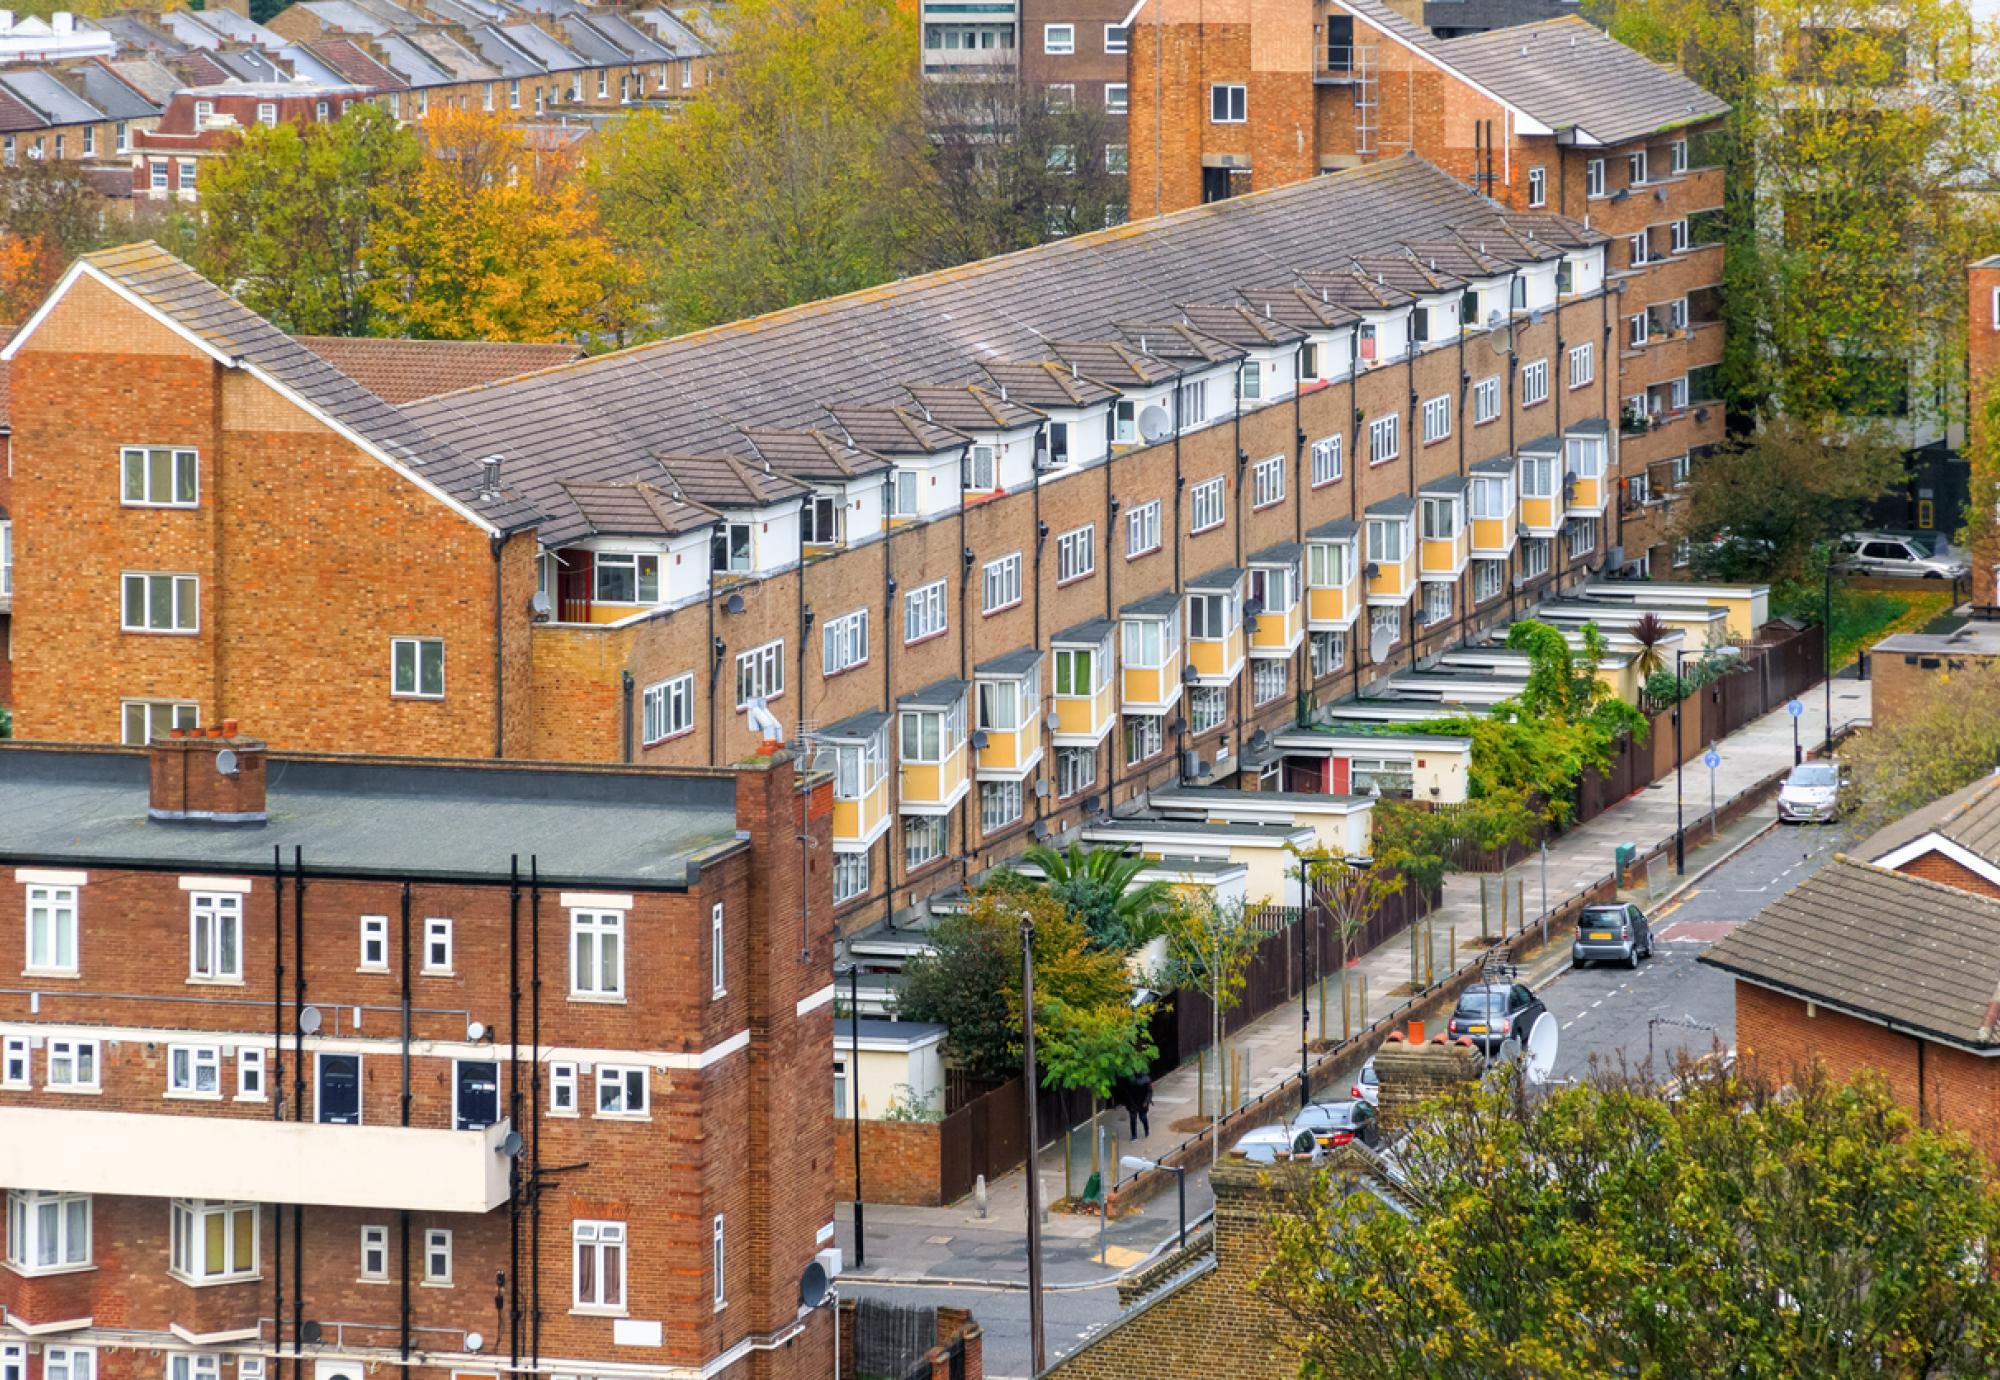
(211, 1241)
(1582, 364)
(1274, 588)
(718, 953)
(1212, 616)
(1000, 584)
(760, 673)
(1208, 708)
(1585, 457)
(844, 642)
(1267, 680)
(729, 547)
(141, 721)
(194, 1071)
(718, 1258)
(1638, 329)
(1639, 248)
(1145, 737)
(1388, 621)
(416, 666)
(194, 1365)
(667, 709)
(929, 736)
(437, 1256)
(1683, 552)
(72, 1066)
(598, 1266)
(819, 520)
(1059, 40)
(1635, 167)
(1593, 178)
(1538, 476)
(1142, 529)
(69, 1362)
(47, 1232)
(1151, 643)
(1437, 603)
(375, 1254)
(159, 477)
(267, 113)
(597, 953)
(158, 602)
(850, 876)
(1267, 482)
(1228, 103)
(52, 930)
(621, 1090)
(1681, 237)
(437, 945)
(1205, 506)
(1486, 580)
(16, 1063)
(1116, 98)
(1329, 564)
(562, 1089)
(1489, 497)
(1076, 770)
(1191, 403)
(249, 1074)
(1384, 439)
(1006, 706)
(626, 577)
(924, 612)
(1534, 382)
(1486, 400)
(215, 936)
(1538, 188)
(1000, 804)
(923, 840)
(374, 944)
(1437, 419)
(1580, 536)
(1534, 557)
(1388, 540)
(1076, 553)
(1440, 519)
(1250, 381)
(982, 469)
(1678, 153)
(1329, 652)
(1325, 460)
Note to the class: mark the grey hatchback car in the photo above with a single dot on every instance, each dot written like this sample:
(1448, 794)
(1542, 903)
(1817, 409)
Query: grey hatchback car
(1612, 933)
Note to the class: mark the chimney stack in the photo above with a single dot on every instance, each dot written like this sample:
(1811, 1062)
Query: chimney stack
(208, 776)
(1413, 1071)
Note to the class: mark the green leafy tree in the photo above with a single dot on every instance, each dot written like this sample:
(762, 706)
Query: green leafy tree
(1604, 1229)
(292, 212)
(964, 983)
(1353, 890)
(1946, 739)
(1209, 946)
(1100, 886)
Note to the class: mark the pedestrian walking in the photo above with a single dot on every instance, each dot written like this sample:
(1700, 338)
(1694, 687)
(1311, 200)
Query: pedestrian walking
(1135, 1095)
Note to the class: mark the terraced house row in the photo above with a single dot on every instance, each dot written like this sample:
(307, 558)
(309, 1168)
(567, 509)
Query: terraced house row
(1009, 545)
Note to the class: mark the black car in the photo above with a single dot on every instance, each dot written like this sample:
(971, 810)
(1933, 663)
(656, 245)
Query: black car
(1491, 1012)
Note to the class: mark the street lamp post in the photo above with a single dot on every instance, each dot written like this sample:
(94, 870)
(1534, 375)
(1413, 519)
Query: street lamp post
(1680, 830)
(1039, 1347)
(1305, 1010)
(1179, 1171)
(852, 972)
(1826, 651)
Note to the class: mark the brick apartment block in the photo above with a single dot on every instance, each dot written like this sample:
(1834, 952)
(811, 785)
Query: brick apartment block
(328, 1065)
(1014, 543)
(1235, 95)
(1982, 352)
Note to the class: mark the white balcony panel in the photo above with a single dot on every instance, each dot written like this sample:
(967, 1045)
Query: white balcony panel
(150, 1155)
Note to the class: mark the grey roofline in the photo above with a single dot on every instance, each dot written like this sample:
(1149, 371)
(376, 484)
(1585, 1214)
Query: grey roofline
(1449, 484)
(1015, 663)
(1401, 505)
(1223, 577)
(941, 694)
(1280, 553)
(1160, 605)
(1338, 529)
(1086, 634)
(857, 726)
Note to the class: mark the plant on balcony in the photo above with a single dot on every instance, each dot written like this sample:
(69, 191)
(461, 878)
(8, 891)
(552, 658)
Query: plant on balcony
(1633, 422)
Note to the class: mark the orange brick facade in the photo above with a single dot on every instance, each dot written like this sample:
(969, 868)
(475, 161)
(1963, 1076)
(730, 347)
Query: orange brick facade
(734, 1138)
(1937, 867)
(1982, 353)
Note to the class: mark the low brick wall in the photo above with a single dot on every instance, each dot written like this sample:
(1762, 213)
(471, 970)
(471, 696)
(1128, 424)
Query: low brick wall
(899, 1161)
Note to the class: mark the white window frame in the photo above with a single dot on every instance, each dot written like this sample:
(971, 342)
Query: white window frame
(375, 1244)
(1440, 517)
(850, 876)
(1534, 382)
(1076, 771)
(925, 613)
(1119, 103)
(422, 649)
(1488, 579)
(25, 1229)
(1329, 564)
(718, 1263)
(760, 673)
(251, 1069)
(60, 910)
(1328, 652)
(1438, 603)
(1206, 509)
(1593, 178)
(1001, 803)
(73, 1057)
(186, 1065)
(1437, 419)
(1582, 364)
(1145, 737)
(17, 1063)
(1076, 554)
(194, 1365)
(1231, 99)
(625, 1084)
(667, 709)
(436, 956)
(605, 1246)
(1677, 154)
(1538, 188)
(1386, 532)
(183, 596)
(1390, 618)
(374, 934)
(1638, 330)
(562, 1088)
(1636, 168)
(1385, 439)
(1059, 40)
(923, 840)
(1116, 39)
(844, 643)
(591, 930)
(1267, 680)
(158, 717)
(1326, 460)
(437, 1256)
(144, 497)
(69, 1362)
(1639, 248)
(1486, 400)
(718, 952)
(1250, 381)
(1267, 482)
(636, 564)
(1536, 553)
(1000, 584)
(982, 468)
(1680, 236)
(1208, 708)
(188, 1233)
(212, 918)
(1142, 529)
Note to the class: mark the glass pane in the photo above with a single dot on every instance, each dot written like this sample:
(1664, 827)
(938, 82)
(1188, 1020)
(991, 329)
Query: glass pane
(135, 601)
(203, 959)
(184, 467)
(614, 1276)
(245, 1221)
(225, 927)
(586, 1274)
(159, 601)
(159, 475)
(214, 1244)
(608, 958)
(432, 664)
(135, 476)
(406, 668)
(46, 1218)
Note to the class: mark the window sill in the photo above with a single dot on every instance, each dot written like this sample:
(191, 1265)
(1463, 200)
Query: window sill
(623, 1116)
(249, 1097)
(371, 1279)
(1385, 460)
(590, 1311)
(434, 1284)
(44, 1271)
(422, 699)
(563, 1116)
(824, 676)
(198, 981)
(1267, 507)
(1141, 555)
(162, 632)
(1060, 584)
(68, 1091)
(437, 972)
(67, 974)
(183, 1096)
(1198, 531)
(598, 998)
(381, 970)
(983, 613)
(682, 733)
(768, 699)
(194, 1283)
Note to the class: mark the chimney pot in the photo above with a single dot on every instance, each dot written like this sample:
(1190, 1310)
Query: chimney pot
(229, 728)
(188, 785)
(1416, 1032)
(215, 730)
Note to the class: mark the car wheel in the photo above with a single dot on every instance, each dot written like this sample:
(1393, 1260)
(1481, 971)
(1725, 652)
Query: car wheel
(1932, 575)
(1632, 957)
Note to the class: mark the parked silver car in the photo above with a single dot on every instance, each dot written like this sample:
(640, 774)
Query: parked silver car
(1814, 792)
(1881, 553)
(1613, 933)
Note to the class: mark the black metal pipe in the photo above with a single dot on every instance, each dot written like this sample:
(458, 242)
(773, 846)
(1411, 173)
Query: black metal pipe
(276, 1077)
(535, 1115)
(299, 1091)
(854, 1107)
(625, 684)
(514, 1111)
(499, 655)
(403, 1217)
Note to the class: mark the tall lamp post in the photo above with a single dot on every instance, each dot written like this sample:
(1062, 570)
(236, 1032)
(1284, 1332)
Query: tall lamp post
(1305, 1010)
(1039, 1347)
(1680, 832)
(852, 972)
(1826, 649)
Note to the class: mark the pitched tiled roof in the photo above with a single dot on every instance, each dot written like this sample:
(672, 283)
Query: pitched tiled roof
(1351, 288)
(895, 431)
(1410, 274)
(725, 481)
(1176, 340)
(1048, 383)
(401, 371)
(1232, 323)
(637, 509)
(971, 408)
(1297, 305)
(1879, 944)
(17, 115)
(812, 454)
(1969, 818)
(177, 292)
(353, 63)
(1111, 362)
(603, 418)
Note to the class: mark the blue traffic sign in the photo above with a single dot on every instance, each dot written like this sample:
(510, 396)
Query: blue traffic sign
(1711, 759)
(1795, 708)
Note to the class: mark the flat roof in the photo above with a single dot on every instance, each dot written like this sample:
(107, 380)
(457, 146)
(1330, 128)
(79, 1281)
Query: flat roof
(1975, 638)
(376, 817)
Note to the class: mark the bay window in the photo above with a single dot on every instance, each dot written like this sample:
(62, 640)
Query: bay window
(1329, 564)
(211, 1241)
(47, 1232)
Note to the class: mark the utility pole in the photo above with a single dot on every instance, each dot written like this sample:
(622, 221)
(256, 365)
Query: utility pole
(854, 1097)
(1305, 1010)
(1680, 828)
(1040, 1351)
(1826, 648)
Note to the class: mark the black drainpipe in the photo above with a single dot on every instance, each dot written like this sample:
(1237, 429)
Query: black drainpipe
(715, 652)
(403, 1217)
(277, 1076)
(514, 1111)
(625, 684)
(299, 1092)
(535, 1115)
(499, 657)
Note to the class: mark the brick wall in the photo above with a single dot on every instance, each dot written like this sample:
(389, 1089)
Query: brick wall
(1982, 346)
(899, 1161)
(1936, 867)
(1905, 683)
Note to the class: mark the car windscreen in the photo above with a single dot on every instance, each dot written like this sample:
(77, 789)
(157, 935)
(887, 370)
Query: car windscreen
(1813, 774)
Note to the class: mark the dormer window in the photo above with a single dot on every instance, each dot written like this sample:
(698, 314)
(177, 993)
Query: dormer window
(1058, 443)
(729, 549)
(626, 577)
(1518, 298)
(1420, 325)
(1124, 422)
(1308, 360)
(903, 494)
(1565, 279)
(203, 111)
(1250, 381)
(1192, 400)
(1367, 342)
(982, 468)
(819, 521)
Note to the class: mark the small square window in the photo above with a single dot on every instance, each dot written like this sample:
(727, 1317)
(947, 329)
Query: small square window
(621, 1091)
(562, 1089)
(249, 1075)
(416, 666)
(1228, 103)
(1059, 40)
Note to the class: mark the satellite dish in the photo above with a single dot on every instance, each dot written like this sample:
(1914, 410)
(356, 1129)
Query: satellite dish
(510, 1144)
(979, 738)
(1540, 1063)
(1041, 786)
(1154, 423)
(1380, 642)
(226, 763)
(1054, 721)
(812, 1285)
(309, 1332)
(473, 1341)
(476, 1031)
(733, 604)
(541, 608)
(309, 1020)
(764, 721)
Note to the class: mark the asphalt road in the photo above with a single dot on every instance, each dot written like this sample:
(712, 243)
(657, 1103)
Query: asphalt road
(1672, 1003)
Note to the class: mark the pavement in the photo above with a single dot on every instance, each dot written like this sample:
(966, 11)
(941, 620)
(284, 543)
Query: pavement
(965, 1252)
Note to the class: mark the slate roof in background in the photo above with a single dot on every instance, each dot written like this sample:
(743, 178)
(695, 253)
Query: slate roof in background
(349, 61)
(205, 311)
(113, 93)
(36, 88)
(1969, 818)
(17, 115)
(1880, 944)
(151, 78)
(1477, 16)
(400, 371)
